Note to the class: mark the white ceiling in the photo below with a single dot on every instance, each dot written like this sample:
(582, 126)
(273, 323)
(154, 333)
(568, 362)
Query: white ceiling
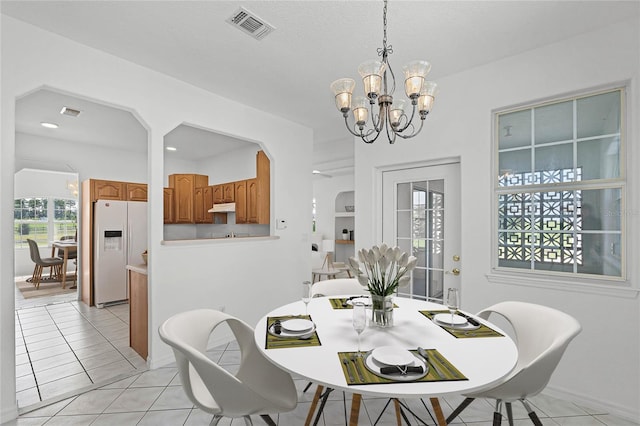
(315, 42)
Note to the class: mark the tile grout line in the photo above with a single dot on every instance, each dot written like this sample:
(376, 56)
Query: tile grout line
(105, 337)
(67, 342)
(35, 378)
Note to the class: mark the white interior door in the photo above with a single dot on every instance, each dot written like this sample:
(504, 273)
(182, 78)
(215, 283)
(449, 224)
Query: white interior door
(421, 215)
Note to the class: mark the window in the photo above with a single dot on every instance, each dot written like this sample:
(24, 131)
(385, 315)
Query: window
(420, 231)
(44, 219)
(560, 186)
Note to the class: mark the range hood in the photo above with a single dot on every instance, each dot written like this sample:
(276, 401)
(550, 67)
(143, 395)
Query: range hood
(223, 208)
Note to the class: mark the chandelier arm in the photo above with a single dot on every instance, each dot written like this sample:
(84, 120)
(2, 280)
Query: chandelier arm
(346, 123)
(409, 121)
(390, 136)
(376, 120)
(369, 134)
(415, 133)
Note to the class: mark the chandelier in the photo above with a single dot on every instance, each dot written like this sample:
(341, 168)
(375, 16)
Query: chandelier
(379, 85)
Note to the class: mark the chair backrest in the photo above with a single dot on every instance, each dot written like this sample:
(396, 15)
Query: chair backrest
(338, 286)
(542, 336)
(257, 386)
(34, 251)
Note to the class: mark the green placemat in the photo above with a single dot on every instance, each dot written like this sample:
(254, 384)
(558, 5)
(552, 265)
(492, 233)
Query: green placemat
(482, 331)
(356, 373)
(275, 342)
(341, 303)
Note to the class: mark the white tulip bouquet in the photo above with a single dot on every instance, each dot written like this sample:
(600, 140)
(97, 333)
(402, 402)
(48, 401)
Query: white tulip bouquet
(385, 269)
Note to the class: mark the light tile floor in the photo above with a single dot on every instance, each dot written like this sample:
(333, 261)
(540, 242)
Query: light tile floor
(62, 346)
(75, 345)
(155, 397)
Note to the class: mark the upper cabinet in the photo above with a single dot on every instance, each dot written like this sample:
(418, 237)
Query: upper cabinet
(115, 190)
(263, 196)
(136, 191)
(229, 192)
(169, 205)
(108, 190)
(189, 197)
(218, 194)
(241, 201)
(185, 186)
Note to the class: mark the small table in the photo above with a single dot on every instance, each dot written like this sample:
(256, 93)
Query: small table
(483, 360)
(65, 246)
(329, 273)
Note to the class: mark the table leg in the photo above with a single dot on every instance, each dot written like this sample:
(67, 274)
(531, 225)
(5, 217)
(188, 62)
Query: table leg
(314, 404)
(437, 410)
(64, 266)
(396, 403)
(355, 409)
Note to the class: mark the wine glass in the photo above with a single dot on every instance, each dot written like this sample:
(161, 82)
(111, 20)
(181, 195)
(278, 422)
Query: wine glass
(453, 301)
(306, 295)
(359, 321)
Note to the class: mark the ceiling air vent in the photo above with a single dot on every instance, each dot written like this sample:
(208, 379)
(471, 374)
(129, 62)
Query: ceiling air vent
(70, 111)
(256, 27)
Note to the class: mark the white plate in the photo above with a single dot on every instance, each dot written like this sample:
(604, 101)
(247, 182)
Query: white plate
(391, 355)
(297, 325)
(364, 300)
(446, 319)
(290, 334)
(374, 366)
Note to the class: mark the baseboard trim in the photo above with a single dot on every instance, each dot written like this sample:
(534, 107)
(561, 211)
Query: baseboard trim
(605, 407)
(11, 413)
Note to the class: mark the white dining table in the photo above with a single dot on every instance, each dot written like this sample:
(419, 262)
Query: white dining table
(482, 360)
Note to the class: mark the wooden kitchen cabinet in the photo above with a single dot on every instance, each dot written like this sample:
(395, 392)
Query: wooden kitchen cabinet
(228, 191)
(218, 194)
(185, 186)
(168, 205)
(198, 210)
(240, 188)
(207, 198)
(108, 190)
(136, 191)
(259, 210)
(138, 313)
(203, 202)
(252, 200)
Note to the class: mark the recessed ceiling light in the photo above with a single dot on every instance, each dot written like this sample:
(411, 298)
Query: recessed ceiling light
(171, 148)
(316, 172)
(49, 125)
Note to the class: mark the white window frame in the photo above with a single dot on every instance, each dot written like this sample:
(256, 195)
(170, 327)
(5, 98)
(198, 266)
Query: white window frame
(598, 284)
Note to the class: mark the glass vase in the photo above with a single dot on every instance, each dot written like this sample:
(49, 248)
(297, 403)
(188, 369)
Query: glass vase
(382, 311)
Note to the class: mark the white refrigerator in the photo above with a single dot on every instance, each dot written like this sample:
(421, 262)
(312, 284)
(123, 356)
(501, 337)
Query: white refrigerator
(120, 237)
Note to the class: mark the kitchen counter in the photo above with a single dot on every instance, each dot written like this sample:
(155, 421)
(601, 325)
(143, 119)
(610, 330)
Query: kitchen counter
(139, 268)
(220, 240)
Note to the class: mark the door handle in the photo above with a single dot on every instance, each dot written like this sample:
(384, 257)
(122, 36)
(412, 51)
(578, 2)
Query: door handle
(454, 271)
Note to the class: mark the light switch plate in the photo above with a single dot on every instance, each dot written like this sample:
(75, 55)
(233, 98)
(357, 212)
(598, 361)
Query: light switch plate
(281, 223)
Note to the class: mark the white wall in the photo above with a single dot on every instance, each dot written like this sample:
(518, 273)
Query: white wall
(460, 125)
(181, 277)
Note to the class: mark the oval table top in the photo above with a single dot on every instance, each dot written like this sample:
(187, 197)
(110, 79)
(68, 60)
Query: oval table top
(483, 360)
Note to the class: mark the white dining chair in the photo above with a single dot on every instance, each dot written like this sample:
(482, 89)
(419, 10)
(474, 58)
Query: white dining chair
(337, 287)
(259, 387)
(542, 336)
